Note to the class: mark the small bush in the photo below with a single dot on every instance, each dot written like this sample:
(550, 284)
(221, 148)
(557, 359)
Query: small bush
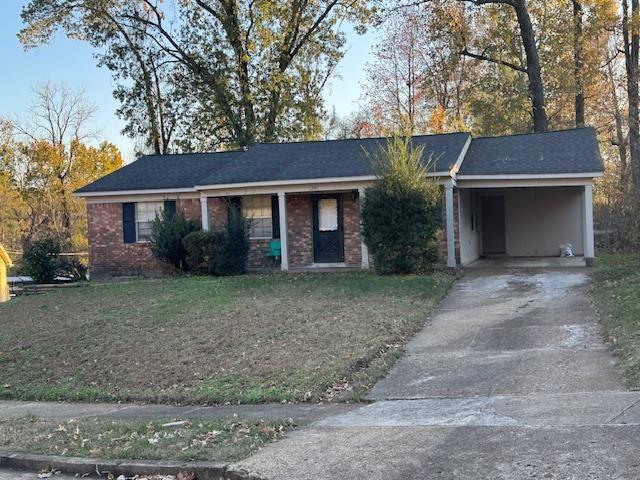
(197, 245)
(73, 267)
(401, 212)
(219, 253)
(41, 260)
(167, 234)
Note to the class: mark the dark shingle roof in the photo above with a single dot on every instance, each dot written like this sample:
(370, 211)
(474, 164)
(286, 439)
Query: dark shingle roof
(152, 172)
(565, 151)
(326, 159)
(265, 162)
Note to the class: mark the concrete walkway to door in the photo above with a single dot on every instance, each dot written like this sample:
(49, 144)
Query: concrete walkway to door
(509, 380)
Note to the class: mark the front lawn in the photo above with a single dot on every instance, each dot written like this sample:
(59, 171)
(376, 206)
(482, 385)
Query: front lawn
(248, 339)
(219, 440)
(617, 296)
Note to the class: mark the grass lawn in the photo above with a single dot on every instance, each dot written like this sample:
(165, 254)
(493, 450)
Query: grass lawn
(617, 296)
(219, 441)
(248, 339)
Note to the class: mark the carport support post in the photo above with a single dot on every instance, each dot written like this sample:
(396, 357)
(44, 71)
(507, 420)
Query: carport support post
(284, 247)
(451, 241)
(364, 250)
(204, 213)
(587, 223)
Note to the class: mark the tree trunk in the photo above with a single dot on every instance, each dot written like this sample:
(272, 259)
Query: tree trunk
(631, 40)
(536, 87)
(578, 62)
(620, 141)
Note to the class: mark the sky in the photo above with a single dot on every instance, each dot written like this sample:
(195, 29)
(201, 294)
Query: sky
(72, 62)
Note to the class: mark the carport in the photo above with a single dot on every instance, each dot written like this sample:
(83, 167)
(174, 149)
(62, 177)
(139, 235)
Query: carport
(525, 195)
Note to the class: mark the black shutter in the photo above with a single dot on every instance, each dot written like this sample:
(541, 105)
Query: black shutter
(275, 216)
(129, 222)
(170, 207)
(235, 202)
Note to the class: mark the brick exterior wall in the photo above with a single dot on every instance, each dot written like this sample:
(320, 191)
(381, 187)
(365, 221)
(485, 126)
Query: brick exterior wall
(352, 239)
(190, 208)
(218, 213)
(300, 225)
(110, 256)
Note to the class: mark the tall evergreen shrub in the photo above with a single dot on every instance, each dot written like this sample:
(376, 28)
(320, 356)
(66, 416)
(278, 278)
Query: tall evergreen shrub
(167, 234)
(401, 213)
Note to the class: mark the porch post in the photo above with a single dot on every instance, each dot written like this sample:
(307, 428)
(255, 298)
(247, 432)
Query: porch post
(204, 213)
(284, 247)
(587, 222)
(364, 250)
(451, 241)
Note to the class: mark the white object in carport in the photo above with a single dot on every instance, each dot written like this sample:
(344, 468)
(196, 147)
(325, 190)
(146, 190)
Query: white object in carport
(566, 250)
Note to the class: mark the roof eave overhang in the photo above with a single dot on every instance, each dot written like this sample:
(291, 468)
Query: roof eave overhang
(154, 191)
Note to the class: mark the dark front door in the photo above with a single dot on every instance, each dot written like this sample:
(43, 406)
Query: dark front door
(493, 230)
(328, 233)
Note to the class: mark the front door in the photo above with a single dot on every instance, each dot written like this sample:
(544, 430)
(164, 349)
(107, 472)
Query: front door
(328, 233)
(493, 225)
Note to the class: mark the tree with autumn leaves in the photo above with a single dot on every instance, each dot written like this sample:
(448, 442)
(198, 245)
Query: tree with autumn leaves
(217, 74)
(44, 157)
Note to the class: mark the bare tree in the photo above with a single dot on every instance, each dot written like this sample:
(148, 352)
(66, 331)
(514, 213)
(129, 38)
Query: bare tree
(59, 116)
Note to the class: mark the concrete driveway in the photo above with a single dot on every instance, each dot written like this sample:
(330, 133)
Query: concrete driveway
(508, 380)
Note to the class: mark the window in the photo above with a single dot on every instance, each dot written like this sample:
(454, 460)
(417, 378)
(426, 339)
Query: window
(328, 214)
(146, 213)
(258, 210)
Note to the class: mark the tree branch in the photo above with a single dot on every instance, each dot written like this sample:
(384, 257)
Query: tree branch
(480, 56)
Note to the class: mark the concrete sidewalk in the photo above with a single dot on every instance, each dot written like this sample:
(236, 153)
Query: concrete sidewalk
(509, 380)
(301, 414)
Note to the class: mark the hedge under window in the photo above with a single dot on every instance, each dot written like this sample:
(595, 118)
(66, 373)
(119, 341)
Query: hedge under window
(146, 213)
(258, 210)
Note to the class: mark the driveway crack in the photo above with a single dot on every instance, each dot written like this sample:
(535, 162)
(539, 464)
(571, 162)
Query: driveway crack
(624, 410)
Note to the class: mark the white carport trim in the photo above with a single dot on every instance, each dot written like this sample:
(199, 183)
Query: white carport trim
(532, 176)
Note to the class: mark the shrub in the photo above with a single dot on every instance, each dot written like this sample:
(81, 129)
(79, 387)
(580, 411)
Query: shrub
(41, 259)
(197, 245)
(230, 249)
(73, 267)
(167, 234)
(219, 253)
(401, 213)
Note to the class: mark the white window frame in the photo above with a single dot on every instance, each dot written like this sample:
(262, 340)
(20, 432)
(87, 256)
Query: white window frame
(245, 210)
(138, 222)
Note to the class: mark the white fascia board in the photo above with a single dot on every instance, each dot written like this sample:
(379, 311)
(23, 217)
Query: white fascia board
(278, 183)
(159, 191)
(456, 166)
(530, 176)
